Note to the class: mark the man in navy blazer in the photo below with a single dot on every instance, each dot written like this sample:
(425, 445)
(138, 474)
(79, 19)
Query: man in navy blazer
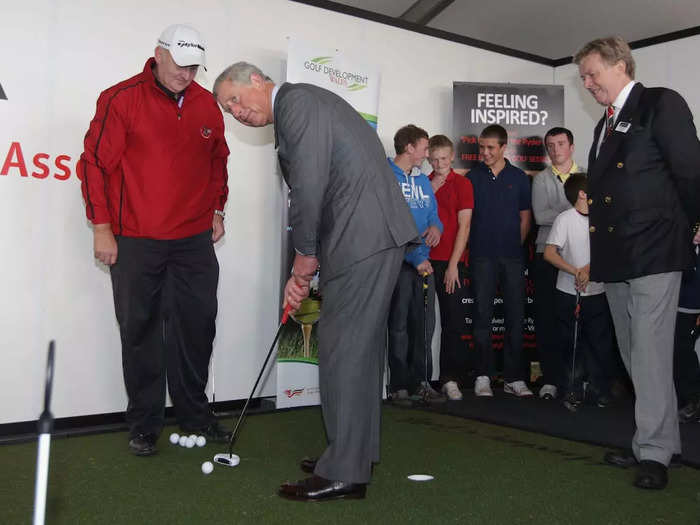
(348, 216)
(644, 210)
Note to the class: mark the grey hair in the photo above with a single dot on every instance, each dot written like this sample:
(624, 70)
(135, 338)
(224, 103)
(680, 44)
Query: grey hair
(612, 50)
(240, 73)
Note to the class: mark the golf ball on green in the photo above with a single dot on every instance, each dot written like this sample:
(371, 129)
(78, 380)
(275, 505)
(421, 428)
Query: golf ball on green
(201, 441)
(174, 438)
(207, 467)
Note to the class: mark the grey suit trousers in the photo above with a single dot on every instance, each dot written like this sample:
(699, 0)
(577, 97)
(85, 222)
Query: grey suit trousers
(644, 313)
(352, 345)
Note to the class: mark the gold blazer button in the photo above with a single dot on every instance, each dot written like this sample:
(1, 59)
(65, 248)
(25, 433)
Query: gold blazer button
(620, 164)
(607, 199)
(590, 201)
(591, 229)
(611, 228)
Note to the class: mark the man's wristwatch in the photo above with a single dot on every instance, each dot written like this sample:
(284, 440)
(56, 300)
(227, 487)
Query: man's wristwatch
(220, 213)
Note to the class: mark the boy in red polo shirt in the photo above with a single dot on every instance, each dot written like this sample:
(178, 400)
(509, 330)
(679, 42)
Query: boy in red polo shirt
(455, 199)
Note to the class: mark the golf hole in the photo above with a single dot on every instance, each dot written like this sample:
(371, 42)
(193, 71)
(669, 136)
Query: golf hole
(420, 477)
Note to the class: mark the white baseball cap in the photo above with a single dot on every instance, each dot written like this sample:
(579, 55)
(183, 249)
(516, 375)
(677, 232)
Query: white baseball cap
(186, 45)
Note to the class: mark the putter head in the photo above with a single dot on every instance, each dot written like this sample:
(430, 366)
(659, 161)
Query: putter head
(228, 460)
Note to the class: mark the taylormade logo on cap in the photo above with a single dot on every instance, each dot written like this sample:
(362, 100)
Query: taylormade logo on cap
(185, 45)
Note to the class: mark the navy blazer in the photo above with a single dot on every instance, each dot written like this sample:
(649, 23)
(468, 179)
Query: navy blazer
(644, 188)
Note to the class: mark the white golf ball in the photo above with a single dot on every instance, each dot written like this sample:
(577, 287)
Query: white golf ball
(193, 436)
(189, 443)
(174, 438)
(201, 441)
(182, 441)
(207, 467)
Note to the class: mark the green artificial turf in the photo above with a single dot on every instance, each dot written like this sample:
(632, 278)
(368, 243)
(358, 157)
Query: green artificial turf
(484, 474)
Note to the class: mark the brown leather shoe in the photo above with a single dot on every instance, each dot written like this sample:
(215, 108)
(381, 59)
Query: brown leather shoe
(317, 488)
(308, 465)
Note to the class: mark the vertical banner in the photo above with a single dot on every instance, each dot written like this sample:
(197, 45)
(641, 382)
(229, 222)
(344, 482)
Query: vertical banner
(358, 84)
(527, 112)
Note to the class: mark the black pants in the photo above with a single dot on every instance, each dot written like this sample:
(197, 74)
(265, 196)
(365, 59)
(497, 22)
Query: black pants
(595, 354)
(411, 327)
(686, 369)
(165, 303)
(453, 350)
(545, 322)
(487, 274)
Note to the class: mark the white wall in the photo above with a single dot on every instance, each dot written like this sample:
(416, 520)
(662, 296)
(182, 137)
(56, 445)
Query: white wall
(671, 64)
(56, 58)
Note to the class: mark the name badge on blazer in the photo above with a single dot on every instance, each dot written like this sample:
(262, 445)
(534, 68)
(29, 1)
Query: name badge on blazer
(622, 127)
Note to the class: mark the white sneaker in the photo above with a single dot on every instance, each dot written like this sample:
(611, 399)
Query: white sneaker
(451, 390)
(517, 388)
(548, 392)
(482, 386)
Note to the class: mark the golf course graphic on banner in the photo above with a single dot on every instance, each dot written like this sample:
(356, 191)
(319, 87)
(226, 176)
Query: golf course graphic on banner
(297, 354)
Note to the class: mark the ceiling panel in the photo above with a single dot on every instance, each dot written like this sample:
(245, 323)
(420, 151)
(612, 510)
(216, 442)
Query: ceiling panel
(552, 29)
(556, 29)
(393, 8)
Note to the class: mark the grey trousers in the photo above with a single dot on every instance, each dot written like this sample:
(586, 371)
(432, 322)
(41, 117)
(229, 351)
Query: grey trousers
(644, 313)
(352, 344)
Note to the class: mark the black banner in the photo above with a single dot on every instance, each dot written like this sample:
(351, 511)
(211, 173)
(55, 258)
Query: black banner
(526, 112)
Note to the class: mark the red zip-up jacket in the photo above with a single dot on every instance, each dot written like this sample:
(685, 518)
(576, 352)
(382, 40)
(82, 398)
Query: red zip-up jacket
(150, 167)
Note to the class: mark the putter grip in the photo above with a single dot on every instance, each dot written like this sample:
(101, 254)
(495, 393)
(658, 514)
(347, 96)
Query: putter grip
(285, 314)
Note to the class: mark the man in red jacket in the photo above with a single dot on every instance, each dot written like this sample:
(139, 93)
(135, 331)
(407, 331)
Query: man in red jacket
(154, 182)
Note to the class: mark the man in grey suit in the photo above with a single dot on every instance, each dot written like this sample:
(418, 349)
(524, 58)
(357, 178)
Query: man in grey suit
(644, 195)
(348, 215)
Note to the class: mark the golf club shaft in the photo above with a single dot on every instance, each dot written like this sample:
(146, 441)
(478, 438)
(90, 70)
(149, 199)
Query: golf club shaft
(42, 476)
(425, 327)
(577, 310)
(45, 426)
(285, 316)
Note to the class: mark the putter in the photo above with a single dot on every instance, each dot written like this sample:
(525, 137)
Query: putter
(426, 343)
(45, 425)
(230, 459)
(570, 402)
(425, 333)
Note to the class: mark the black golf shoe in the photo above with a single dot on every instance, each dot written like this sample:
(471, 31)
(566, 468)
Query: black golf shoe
(690, 411)
(216, 433)
(143, 444)
(651, 475)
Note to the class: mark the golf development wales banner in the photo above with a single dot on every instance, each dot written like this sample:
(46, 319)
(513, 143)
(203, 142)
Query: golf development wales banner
(527, 112)
(297, 352)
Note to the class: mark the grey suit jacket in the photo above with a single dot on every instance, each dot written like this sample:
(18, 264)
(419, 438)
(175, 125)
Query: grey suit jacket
(345, 202)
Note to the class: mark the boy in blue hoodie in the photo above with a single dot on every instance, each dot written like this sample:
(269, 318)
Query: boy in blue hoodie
(411, 321)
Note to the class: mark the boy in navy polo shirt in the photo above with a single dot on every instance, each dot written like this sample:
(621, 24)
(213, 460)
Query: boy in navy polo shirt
(500, 223)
